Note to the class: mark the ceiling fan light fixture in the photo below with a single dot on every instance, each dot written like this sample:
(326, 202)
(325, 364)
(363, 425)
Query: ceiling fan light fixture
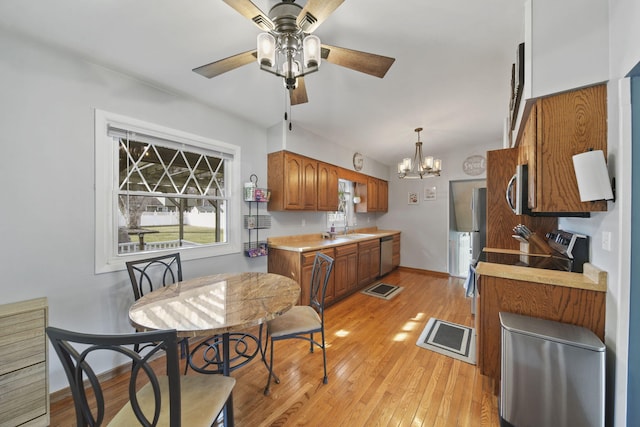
(266, 49)
(421, 166)
(311, 51)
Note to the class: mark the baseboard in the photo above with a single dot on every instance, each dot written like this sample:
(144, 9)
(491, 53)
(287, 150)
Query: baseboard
(422, 271)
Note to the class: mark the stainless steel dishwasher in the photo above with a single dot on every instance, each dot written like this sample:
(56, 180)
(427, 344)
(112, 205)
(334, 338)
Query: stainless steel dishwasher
(386, 255)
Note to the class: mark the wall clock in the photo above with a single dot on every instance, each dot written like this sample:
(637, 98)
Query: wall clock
(358, 161)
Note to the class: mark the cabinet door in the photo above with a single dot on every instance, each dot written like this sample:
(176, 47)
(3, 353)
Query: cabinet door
(372, 192)
(364, 265)
(345, 268)
(327, 187)
(307, 259)
(309, 191)
(396, 250)
(374, 267)
(294, 181)
(383, 196)
(567, 124)
(368, 261)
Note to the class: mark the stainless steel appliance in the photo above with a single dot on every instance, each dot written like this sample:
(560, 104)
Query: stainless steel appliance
(517, 195)
(386, 255)
(552, 374)
(478, 222)
(478, 239)
(572, 245)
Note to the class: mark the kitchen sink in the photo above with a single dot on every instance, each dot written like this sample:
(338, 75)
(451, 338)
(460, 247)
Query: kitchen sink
(356, 236)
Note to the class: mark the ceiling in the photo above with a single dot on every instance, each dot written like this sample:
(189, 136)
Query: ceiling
(451, 75)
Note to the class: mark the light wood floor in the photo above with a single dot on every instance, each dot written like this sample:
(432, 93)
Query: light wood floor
(377, 375)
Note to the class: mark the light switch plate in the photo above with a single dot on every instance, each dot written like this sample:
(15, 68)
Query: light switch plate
(606, 240)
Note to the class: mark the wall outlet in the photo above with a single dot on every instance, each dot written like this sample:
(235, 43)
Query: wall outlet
(606, 240)
(304, 222)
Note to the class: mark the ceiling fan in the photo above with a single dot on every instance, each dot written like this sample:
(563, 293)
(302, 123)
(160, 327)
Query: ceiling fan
(289, 50)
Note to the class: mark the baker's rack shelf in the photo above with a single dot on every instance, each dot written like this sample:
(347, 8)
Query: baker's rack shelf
(254, 221)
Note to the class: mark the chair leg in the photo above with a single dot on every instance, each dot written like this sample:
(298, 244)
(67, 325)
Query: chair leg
(325, 380)
(266, 389)
(227, 411)
(184, 353)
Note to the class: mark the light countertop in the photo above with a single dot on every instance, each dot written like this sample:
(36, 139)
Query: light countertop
(591, 279)
(313, 242)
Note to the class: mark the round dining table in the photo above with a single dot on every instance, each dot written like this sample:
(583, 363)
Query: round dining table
(217, 305)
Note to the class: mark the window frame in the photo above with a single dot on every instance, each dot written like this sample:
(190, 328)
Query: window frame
(106, 188)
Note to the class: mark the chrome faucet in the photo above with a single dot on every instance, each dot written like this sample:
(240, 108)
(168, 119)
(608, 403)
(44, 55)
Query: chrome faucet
(346, 228)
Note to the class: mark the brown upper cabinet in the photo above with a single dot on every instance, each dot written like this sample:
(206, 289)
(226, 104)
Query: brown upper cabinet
(383, 196)
(327, 187)
(375, 195)
(300, 183)
(558, 127)
(292, 178)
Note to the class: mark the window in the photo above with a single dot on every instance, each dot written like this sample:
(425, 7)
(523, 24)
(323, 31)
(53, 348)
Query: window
(161, 190)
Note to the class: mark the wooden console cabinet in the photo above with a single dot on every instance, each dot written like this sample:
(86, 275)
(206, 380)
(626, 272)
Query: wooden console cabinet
(24, 387)
(582, 307)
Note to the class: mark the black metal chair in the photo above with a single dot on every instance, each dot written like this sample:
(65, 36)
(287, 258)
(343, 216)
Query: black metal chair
(149, 274)
(167, 399)
(302, 321)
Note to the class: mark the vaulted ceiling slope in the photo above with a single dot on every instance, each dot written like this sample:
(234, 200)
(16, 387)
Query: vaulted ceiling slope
(451, 75)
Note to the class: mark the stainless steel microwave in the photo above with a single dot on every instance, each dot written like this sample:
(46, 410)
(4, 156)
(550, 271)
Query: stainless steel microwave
(517, 195)
(517, 191)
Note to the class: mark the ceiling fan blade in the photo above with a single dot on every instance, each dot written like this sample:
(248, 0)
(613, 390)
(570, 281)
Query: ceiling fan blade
(227, 64)
(315, 12)
(299, 94)
(369, 63)
(250, 11)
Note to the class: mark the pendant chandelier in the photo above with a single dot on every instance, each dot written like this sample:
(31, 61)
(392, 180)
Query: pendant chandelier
(420, 166)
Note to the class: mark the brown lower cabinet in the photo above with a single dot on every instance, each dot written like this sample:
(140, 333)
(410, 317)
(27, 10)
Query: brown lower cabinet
(345, 269)
(368, 261)
(581, 307)
(355, 266)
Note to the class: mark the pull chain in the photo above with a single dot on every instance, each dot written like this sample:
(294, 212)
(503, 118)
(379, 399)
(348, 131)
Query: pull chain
(287, 108)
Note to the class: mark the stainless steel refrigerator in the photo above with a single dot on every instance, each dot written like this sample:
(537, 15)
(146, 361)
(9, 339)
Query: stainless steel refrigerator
(478, 239)
(479, 222)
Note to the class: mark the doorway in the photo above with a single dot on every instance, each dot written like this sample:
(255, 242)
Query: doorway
(460, 225)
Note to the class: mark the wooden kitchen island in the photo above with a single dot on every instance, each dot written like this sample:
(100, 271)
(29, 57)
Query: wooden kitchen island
(575, 298)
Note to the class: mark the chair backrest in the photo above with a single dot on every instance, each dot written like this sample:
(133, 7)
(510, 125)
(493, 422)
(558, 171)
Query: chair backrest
(322, 265)
(150, 273)
(78, 351)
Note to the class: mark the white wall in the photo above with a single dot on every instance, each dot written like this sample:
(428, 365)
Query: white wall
(425, 226)
(47, 164)
(624, 54)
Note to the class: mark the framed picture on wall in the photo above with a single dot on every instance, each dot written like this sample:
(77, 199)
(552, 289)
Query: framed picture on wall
(413, 198)
(429, 193)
